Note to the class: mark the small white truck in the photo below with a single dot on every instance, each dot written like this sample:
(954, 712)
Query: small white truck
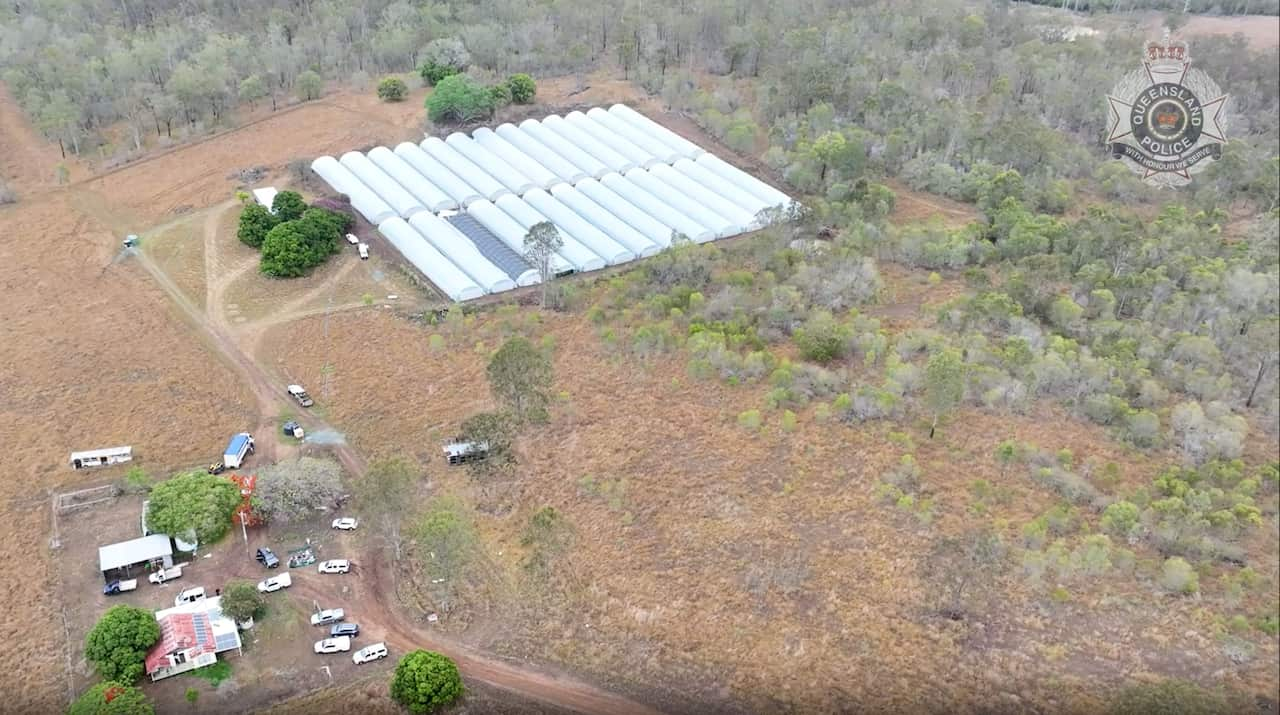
(352, 239)
(364, 251)
(299, 393)
(238, 448)
(120, 586)
(165, 575)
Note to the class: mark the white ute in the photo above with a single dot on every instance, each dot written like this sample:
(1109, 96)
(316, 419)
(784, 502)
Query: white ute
(163, 575)
(364, 251)
(275, 583)
(298, 393)
(327, 616)
(351, 238)
(190, 595)
(334, 645)
(346, 523)
(369, 653)
(334, 566)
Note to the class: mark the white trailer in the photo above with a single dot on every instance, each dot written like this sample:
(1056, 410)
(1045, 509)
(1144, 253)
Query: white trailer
(744, 181)
(240, 446)
(601, 218)
(423, 190)
(686, 148)
(634, 134)
(658, 208)
(363, 199)
(384, 186)
(541, 176)
(510, 232)
(489, 187)
(635, 217)
(579, 256)
(579, 228)
(608, 138)
(701, 174)
(743, 219)
(537, 151)
(450, 279)
(438, 174)
(718, 224)
(505, 173)
(579, 137)
(462, 253)
(100, 457)
(564, 148)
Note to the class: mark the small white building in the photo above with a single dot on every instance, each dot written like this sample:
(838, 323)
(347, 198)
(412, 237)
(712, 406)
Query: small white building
(101, 457)
(266, 196)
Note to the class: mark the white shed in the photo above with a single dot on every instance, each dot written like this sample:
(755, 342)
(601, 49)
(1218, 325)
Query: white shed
(657, 207)
(743, 220)
(701, 174)
(539, 152)
(541, 176)
(462, 253)
(384, 186)
(603, 219)
(125, 555)
(744, 181)
(266, 196)
(582, 258)
(494, 166)
(489, 187)
(564, 148)
(578, 136)
(510, 232)
(438, 174)
(431, 196)
(579, 228)
(686, 148)
(363, 199)
(635, 217)
(634, 134)
(434, 265)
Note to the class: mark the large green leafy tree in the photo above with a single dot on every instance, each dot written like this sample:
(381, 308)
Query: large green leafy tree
(540, 246)
(255, 222)
(241, 601)
(193, 501)
(288, 206)
(119, 642)
(112, 698)
(943, 383)
(285, 253)
(523, 88)
(426, 681)
(458, 99)
(520, 376)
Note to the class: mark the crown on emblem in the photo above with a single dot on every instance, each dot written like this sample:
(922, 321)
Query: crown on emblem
(1166, 54)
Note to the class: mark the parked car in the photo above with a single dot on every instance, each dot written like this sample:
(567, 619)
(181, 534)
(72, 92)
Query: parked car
(334, 566)
(293, 429)
(344, 629)
(120, 586)
(369, 653)
(352, 239)
(346, 523)
(333, 645)
(191, 595)
(130, 241)
(217, 468)
(267, 558)
(164, 575)
(300, 394)
(364, 251)
(327, 616)
(275, 583)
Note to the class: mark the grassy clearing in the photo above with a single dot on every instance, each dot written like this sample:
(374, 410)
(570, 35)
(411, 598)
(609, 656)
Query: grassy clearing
(214, 674)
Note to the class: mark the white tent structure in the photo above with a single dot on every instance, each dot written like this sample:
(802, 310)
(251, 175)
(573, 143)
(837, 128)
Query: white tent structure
(541, 176)
(363, 199)
(438, 174)
(658, 208)
(579, 256)
(742, 219)
(510, 232)
(719, 225)
(634, 134)
(539, 152)
(494, 166)
(701, 174)
(686, 148)
(489, 187)
(384, 186)
(440, 270)
(653, 229)
(578, 137)
(564, 148)
(603, 219)
(461, 252)
(606, 138)
(428, 193)
(744, 181)
(579, 228)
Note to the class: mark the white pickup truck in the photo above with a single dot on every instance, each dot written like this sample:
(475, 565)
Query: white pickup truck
(120, 586)
(164, 575)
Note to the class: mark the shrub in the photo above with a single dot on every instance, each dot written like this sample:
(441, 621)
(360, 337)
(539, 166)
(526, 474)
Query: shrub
(118, 643)
(459, 98)
(288, 206)
(1120, 517)
(1177, 576)
(1170, 696)
(425, 681)
(788, 421)
(750, 419)
(392, 89)
(111, 698)
(255, 222)
(523, 88)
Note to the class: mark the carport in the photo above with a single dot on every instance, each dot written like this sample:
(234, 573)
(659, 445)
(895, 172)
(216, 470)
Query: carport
(122, 558)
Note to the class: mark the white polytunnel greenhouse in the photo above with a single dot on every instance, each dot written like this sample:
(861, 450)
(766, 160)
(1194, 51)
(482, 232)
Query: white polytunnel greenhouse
(635, 135)
(384, 186)
(743, 219)
(607, 138)
(539, 152)
(636, 218)
(494, 166)
(676, 199)
(363, 200)
(579, 256)
(541, 176)
(744, 181)
(580, 138)
(438, 174)
(564, 148)
(431, 263)
(686, 148)
(656, 207)
(568, 221)
(603, 219)
(494, 249)
(461, 252)
(701, 174)
(510, 232)
(423, 190)
(489, 187)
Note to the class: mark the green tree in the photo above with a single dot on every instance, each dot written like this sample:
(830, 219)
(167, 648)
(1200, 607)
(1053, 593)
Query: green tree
(112, 698)
(540, 246)
(288, 206)
(255, 222)
(384, 494)
(251, 89)
(392, 89)
(295, 489)
(241, 601)
(959, 566)
(309, 86)
(821, 338)
(1006, 453)
(459, 98)
(285, 253)
(196, 501)
(118, 643)
(447, 539)
(520, 376)
(426, 681)
(497, 429)
(523, 88)
(944, 376)
(443, 58)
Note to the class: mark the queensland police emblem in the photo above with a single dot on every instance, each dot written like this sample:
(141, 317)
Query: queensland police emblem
(1168, 121)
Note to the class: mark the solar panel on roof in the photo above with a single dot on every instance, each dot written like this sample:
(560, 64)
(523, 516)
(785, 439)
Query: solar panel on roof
(226, 641)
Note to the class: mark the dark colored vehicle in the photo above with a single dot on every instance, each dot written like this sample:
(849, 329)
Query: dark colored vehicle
(217, 468)
(267, 558)
(344, 629)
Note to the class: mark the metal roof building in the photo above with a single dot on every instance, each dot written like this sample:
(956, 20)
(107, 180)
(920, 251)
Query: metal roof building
(127, 554)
